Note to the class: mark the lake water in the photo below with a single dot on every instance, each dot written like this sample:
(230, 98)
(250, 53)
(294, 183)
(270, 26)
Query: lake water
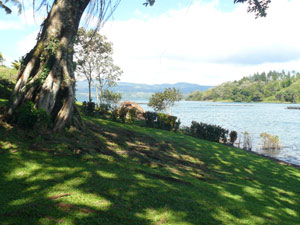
(255, 118)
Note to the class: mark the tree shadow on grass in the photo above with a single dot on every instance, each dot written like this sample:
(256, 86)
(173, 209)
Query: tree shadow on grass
(127, 177)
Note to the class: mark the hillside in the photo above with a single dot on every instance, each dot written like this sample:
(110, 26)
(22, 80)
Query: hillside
(128, 90)
(139, 91)
(7, 73)
(270, 87)
(7, 80)
(114, 173)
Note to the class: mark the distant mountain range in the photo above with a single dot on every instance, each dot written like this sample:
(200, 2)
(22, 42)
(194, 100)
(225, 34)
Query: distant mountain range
(133, 91)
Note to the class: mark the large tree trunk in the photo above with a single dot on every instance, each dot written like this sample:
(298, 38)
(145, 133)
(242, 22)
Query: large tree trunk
(47, 74)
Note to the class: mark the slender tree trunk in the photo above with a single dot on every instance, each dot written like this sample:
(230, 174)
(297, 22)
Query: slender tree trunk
(96, 87)
(101, 91)
(47, 74)
(90, 91)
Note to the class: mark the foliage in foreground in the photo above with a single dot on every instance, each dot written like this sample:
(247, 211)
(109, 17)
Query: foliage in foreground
(113, 173)
(28, 117)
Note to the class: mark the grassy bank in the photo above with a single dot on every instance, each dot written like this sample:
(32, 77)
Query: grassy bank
(7, 80)
(112, 173)
(7, 73)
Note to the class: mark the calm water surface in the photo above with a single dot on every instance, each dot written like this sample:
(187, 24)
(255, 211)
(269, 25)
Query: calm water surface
(255, 118)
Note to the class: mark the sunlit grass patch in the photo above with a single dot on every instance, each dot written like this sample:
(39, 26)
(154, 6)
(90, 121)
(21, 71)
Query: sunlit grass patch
(111, 173)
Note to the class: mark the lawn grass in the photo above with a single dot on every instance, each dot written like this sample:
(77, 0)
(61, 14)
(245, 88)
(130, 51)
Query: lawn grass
(7, 81)
(112, 173)
(7, 73)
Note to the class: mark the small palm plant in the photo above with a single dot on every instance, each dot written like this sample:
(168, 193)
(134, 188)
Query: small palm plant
(16, 64)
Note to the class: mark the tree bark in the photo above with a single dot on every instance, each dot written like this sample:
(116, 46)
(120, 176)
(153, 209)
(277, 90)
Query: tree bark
(101, 91)
(90, 90)
(47, 75)
(96, 87)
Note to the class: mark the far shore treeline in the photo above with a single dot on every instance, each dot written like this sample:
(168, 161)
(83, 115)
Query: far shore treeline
(260, 87)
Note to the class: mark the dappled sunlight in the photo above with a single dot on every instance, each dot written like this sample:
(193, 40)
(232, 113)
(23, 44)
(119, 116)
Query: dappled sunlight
(291, 212)
(106, 174)
(131, 175)
(254, 191)
(160, 216)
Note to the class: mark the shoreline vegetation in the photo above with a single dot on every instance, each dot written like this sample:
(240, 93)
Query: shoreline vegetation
(271, 87)
(230, 101)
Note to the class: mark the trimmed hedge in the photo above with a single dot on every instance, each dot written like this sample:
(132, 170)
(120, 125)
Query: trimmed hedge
(161, 121)
(206, 131)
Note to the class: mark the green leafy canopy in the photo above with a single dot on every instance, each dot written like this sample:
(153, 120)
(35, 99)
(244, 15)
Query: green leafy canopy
(164, 101)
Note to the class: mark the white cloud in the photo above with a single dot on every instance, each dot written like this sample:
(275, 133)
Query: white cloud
(204, 45)
(30, 17)
(10, 25)
(27, 43)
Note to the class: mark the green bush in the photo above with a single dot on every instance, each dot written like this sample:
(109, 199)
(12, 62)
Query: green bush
(5, 88)
(131, 115)
(166, 122)
(114, 115)
(233, 136)
(207, 132)
(161, 121)
(44, 119)
(127, 115)
(28, 116)
(103, 109)
(89, 108)
(150, 118)
(122, 114)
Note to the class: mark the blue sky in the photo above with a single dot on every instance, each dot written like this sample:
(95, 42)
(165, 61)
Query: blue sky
(198, 41)
(127, 9)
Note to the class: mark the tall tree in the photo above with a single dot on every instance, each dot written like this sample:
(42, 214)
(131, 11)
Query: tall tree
(46, 77)
(112, 98)
(107, 75)
(90, 49)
